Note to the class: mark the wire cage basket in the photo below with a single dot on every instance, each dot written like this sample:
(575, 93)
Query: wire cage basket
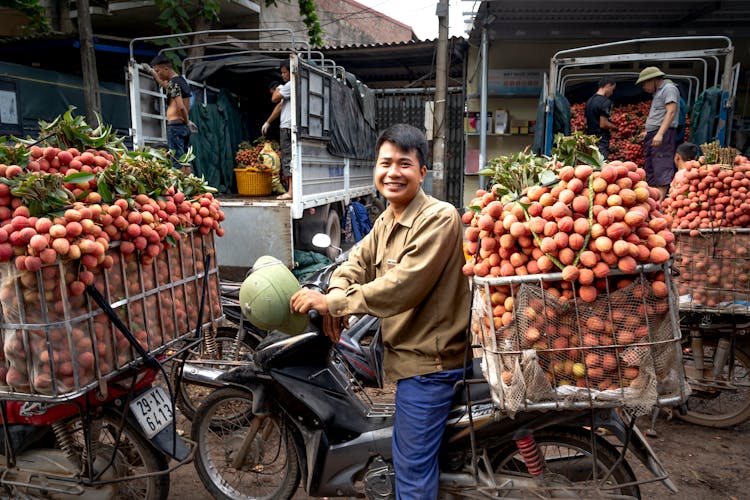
(714, 267)
(620, 350)
(58, 344)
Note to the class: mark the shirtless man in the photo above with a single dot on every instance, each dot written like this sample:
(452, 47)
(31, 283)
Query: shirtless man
(178, 107)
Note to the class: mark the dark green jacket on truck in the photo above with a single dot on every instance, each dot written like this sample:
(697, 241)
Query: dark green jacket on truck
(408, 273)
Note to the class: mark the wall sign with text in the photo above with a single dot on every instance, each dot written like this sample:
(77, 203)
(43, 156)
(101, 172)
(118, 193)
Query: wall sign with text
(526, 82)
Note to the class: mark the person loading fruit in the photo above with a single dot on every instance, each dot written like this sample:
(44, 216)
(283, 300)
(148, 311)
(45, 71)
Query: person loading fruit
(598, 112)
(178, 93)
(659, 143)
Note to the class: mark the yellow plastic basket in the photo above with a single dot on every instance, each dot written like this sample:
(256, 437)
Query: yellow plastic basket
(253, 183)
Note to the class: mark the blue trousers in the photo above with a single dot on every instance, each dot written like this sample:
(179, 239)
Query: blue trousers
(422, 405)
(178, 139)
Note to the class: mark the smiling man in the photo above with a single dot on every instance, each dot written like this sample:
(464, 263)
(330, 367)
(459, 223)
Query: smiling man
(407, 271)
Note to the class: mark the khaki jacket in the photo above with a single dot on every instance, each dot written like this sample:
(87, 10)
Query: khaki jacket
(408, 273)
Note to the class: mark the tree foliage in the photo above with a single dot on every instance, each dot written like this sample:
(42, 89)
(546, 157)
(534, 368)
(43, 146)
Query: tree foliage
(178, 15)
(33, 10)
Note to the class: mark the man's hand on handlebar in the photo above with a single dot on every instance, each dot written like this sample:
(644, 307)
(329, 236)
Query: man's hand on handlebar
(333, 326)
(306, 299)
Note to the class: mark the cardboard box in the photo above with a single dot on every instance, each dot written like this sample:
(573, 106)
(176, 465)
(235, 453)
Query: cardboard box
(471, 122)
(519, 126)
(502, 118)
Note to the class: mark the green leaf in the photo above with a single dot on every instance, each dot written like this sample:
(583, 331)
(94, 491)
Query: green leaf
(79, 177)
(548, 177)
(104, 191)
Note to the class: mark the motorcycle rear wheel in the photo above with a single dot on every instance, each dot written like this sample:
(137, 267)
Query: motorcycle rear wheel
(224, 428)
(189, 396)
(568, 453)
(722, 408)
(133, 456)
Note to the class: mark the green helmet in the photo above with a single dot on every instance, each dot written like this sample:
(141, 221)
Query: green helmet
(265, 295)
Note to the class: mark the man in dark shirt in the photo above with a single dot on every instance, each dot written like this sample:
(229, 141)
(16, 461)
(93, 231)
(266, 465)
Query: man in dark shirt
(598, 111)
(178, 106)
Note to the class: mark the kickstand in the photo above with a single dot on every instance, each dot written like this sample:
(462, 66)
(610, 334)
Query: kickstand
(651, 431)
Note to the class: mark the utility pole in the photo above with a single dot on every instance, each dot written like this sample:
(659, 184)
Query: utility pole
(91, 95)
(439, 115)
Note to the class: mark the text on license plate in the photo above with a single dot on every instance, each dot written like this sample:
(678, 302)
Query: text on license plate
(153, 410)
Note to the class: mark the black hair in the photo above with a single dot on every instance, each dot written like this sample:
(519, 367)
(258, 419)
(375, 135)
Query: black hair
(607, 80)
(161, 59)
(688, 151)
(406, 137)
(284, 64)
(273, 85)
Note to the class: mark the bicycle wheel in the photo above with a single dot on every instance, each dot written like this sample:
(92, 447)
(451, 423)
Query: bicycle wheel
(242, 456)
(720, 407)
(130, 455)
(189, 396)
(570, 462)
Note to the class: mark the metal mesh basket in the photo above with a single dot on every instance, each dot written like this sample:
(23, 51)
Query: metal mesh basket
(714, 267)
(58, 344)
(623, 349)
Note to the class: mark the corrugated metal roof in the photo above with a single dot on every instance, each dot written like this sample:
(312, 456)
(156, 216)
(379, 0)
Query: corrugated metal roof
(383, 44)
(612, 19)
(405, 62)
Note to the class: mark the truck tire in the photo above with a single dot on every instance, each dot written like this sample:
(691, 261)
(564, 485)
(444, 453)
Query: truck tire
(333, 230)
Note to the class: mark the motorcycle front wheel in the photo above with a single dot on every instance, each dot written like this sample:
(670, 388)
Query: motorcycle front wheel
(240, 455)
(569, 456)
(720, 407)
(125, 452)
(189, 396)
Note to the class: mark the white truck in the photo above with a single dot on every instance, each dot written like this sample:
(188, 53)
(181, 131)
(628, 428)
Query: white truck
(700, 62)
(333, 138)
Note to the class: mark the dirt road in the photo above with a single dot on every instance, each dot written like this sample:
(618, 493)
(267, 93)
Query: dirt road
(704, 463)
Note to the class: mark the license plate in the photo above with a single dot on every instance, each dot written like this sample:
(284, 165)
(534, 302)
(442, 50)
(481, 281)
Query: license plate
(153, 410)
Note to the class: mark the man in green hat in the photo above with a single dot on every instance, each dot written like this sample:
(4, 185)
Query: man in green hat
(661, 128)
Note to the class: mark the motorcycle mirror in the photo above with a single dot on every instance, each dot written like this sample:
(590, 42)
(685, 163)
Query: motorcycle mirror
(321, 240)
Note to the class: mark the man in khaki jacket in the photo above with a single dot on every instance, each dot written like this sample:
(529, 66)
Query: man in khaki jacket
(407, 271)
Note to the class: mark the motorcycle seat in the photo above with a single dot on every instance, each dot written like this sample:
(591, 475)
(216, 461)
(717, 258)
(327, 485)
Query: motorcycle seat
(297, 350)
(478, 389)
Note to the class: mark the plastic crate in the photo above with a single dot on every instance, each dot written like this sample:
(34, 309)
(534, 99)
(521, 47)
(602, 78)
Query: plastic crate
(571, 354)
(714, 267)
(59, 344)
(252, 182)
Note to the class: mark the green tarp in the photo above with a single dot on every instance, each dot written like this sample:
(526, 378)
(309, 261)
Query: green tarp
(705, 116)
(43, 95)
(307, 263)
(560, 121)
(221, 129)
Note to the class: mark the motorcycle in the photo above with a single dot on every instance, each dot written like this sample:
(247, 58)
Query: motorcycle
(114, 441)
(294, 413)
(359, 345)
(716, 354)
